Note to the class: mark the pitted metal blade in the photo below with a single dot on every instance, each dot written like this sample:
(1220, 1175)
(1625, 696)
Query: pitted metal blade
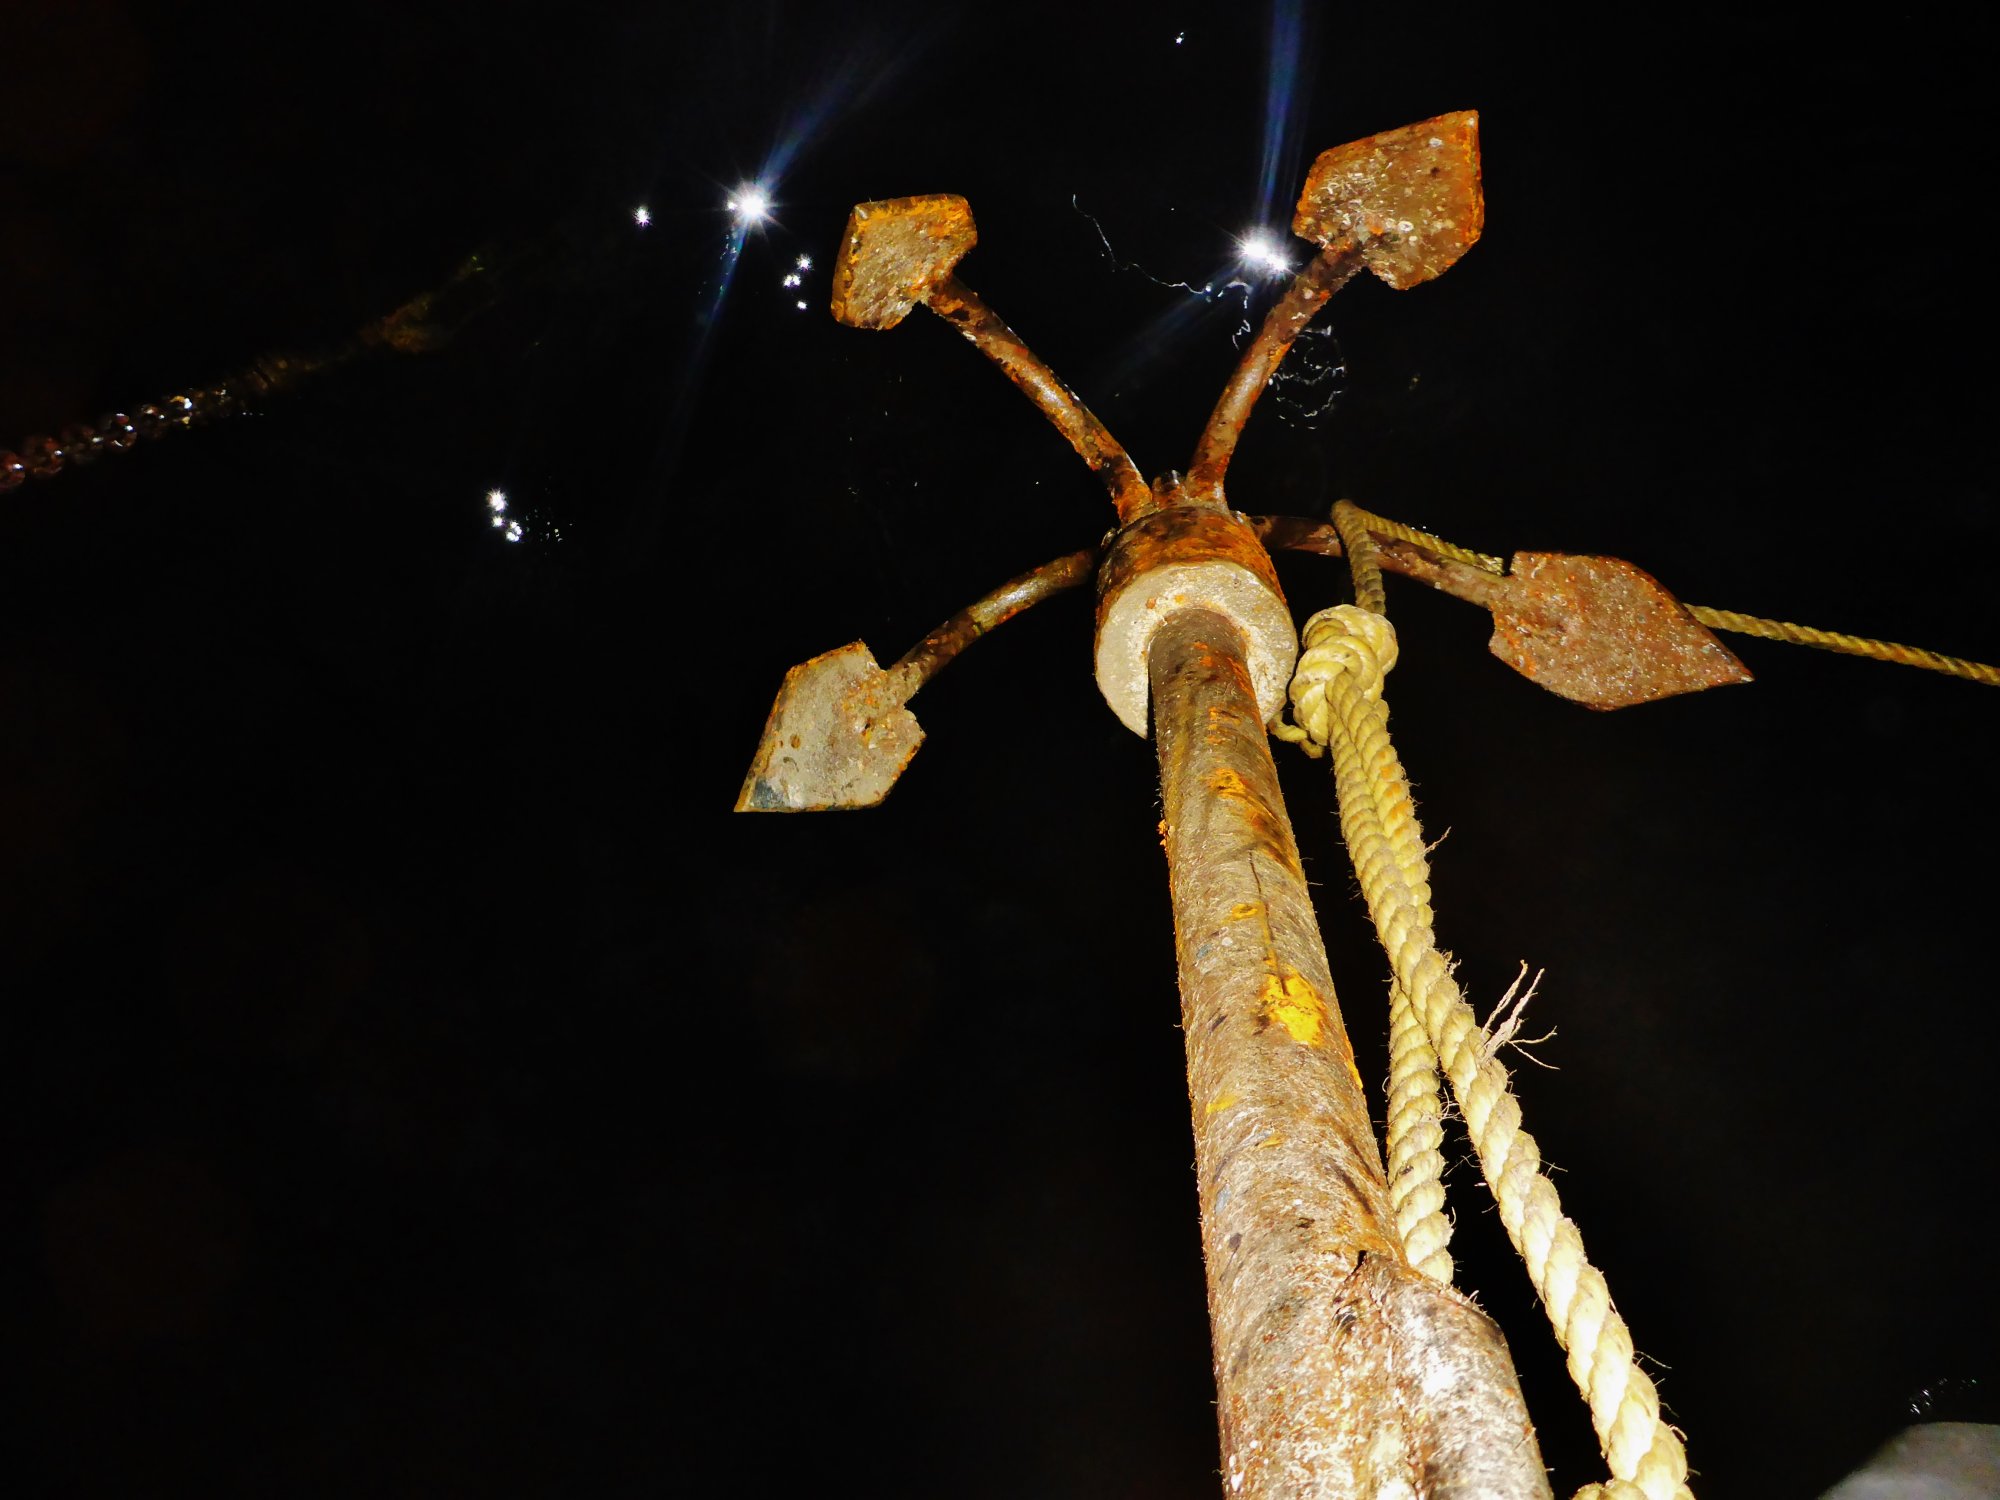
(838, 737)
(1602, 632)
(1410, 198)
(895, 252)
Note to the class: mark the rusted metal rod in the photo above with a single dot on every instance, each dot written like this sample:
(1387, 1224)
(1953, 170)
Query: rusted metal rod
(1310, 290)
(1340, 1371)
(961, 307)
(934, 652)
(1404, 203)
(899, 253)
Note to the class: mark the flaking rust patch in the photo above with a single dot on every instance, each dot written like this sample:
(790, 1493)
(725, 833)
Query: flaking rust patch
(838, 737)
(1226, 783)
(1295, 1005)
(1603, 633)
(1263, 820)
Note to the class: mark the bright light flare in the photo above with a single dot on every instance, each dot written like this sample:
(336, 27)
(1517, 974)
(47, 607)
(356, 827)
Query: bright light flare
(804, 262)
(751, 205)
(1261, 251)
(642, 216)
(496, 501)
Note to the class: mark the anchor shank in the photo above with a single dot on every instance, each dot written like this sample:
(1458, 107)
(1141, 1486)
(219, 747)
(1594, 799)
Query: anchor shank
(1327, 1345)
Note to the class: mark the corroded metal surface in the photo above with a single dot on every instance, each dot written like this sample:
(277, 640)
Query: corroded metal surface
(1185, 557)
(895, 252)
(1471, 1437)
(1447, 575)
(839, 736)
(961, 307)
(1310, 290)
(1410, 198)
(901, 251)
(1296, 534)
(1596, 630)
(929, 656)
(1604, 633)
(1339, 1370)
(1405, 203)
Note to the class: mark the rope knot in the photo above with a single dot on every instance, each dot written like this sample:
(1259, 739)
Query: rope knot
(1344, 639)
(1352, 639)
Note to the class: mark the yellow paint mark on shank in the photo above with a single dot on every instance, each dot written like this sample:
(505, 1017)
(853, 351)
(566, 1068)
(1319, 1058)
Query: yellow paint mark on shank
(1217, 1105)
(1243, 911)
(1296, 1006)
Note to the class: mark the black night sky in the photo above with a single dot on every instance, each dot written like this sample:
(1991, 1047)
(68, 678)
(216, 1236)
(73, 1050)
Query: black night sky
(419, 1083)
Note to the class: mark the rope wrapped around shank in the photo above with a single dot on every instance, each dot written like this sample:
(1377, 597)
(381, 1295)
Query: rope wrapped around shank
(1337, 698)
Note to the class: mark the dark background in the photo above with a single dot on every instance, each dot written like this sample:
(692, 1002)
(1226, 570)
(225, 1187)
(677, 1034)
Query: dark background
(418, 1082)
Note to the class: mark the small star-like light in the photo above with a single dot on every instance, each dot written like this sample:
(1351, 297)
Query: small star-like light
(792, 280)
(751, 205)
(1260, 249)
(642, 216)
(802, 307)
(804, 262)
(496, 501)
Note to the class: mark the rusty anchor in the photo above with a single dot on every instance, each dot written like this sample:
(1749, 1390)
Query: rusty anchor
(1404, 205)
(1326, 1340)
